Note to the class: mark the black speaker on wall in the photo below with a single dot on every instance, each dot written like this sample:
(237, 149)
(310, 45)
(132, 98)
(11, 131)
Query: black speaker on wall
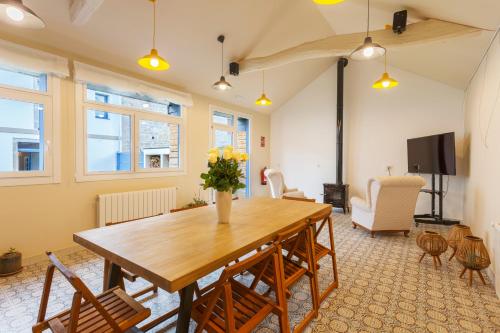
(399, 21)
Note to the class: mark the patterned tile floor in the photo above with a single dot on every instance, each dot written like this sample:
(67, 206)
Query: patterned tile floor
(383, 288)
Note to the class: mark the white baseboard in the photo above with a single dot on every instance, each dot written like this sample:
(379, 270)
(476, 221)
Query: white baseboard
(41, 258)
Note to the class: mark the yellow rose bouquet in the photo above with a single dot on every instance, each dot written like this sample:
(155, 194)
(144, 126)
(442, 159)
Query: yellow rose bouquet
(224, 172)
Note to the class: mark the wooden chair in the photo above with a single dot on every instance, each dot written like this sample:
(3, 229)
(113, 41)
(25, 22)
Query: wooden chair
(291, 271)
(229, 306)
(300, 250)
(111, 311)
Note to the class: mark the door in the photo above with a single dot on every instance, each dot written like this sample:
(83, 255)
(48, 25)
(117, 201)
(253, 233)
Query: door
(231, 129)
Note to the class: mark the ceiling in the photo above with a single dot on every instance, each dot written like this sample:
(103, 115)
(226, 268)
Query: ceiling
(118, 34)
(452, 61)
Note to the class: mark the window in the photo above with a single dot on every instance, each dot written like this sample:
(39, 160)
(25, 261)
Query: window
(108, 143)
(19, 79)
(226, 131)
(141, 137)
(27, 131)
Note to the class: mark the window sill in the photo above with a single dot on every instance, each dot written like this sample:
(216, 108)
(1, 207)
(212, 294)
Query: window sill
(24, 181)
(124, 176)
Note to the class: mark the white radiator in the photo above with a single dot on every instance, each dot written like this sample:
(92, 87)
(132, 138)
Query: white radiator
(127, 206)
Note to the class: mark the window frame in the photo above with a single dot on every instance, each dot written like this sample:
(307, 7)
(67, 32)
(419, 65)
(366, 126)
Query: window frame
(136, 115)
(234, 129)
(51, 101)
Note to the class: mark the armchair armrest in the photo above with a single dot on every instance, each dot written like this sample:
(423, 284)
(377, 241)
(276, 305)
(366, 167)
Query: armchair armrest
(291, 190)
(361, 204)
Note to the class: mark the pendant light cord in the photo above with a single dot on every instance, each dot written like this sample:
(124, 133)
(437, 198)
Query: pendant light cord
(368, 24)
(154, 24)
(222, 60)
(263, 82)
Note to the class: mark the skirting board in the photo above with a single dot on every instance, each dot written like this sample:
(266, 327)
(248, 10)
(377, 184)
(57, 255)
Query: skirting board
(43, 258)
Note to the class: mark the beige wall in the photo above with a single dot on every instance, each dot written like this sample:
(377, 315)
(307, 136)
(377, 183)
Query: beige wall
(482, 132)
(377, 125)
(44, 217)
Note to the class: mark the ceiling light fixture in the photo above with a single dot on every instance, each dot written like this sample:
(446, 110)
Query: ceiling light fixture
(16, 13)
(369, 49)
(222, 84)
(153, 61)
(328, 2)
(263, 100)
(385, 81)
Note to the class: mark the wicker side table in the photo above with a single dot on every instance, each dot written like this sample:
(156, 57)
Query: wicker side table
(456, 235)
(433, 244)
(473, 255)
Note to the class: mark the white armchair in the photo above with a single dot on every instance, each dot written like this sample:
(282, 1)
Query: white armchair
(277, 185)
(389, 206)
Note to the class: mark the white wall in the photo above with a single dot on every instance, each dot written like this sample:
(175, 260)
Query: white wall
(482, 151)
(377, 125)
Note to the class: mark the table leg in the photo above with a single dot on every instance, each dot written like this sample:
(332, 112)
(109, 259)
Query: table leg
(113, 276)
(184, 317)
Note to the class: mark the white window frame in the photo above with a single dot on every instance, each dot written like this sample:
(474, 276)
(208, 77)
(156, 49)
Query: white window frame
(136, 115)
(234, 129)
(51, 100)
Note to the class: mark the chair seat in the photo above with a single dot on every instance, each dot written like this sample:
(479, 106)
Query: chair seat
(125, 310)
(300, 252)
(249, 309)
(293, 272)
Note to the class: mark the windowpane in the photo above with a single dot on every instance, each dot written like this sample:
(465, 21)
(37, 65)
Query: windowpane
(243, 145)
(222, 118)
(23, 80)
(108, 142)
(223, 138)
(108, 96)
(21, 136)
(159, 145)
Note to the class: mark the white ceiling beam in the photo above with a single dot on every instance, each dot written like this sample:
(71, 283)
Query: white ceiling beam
(81, 11)
(430, 30)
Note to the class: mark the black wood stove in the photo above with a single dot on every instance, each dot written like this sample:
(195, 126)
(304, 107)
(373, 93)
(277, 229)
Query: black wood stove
(338, 194)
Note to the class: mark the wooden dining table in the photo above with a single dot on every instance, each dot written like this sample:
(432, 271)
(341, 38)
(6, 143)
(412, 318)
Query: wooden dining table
(174, 250)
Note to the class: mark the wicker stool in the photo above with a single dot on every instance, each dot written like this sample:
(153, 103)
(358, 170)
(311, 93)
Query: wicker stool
(457, 233)
(473, 255)
(433, 244)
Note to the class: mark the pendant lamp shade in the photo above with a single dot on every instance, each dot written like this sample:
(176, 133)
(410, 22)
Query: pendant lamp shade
(222, 84)
(385, 81)
(328, 2)
(263, 100)
(153, 61)
(14, 12)
(368, 50)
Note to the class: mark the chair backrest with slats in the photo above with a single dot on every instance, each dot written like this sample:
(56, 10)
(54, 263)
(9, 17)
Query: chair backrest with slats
(81, 291)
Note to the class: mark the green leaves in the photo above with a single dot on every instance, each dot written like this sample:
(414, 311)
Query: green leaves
(223, 175)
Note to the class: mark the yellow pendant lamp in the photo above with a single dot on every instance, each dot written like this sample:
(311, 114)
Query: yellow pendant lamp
(385, 82)
(263, 100)
(153, 61)
(327, 2)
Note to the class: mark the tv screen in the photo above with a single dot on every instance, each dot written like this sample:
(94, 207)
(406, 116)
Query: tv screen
(433, 154)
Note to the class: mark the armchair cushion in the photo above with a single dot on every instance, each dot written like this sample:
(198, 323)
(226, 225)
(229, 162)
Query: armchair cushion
(390, 204)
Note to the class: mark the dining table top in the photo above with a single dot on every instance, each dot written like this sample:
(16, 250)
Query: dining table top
(174, 250)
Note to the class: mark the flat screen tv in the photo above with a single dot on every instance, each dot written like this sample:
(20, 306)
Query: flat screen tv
(433, 154)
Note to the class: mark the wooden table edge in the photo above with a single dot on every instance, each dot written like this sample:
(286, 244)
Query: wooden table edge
(173, 287)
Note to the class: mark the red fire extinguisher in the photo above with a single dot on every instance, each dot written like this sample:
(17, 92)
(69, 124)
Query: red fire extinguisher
(263, 179)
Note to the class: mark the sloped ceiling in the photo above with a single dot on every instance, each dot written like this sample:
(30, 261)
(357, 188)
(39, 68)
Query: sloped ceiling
(120, 31)
(451, 62)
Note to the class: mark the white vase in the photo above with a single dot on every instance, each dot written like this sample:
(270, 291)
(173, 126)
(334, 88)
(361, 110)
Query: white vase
(223, 201)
